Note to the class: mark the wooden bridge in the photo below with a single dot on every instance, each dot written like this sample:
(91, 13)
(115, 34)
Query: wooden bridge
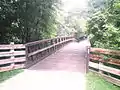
(58, 63)
(69, 58)
(54, 64)
(63, 54)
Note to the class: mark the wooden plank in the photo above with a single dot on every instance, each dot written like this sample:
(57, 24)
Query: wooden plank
(106, 51)
(15, 46)
(109, 69)
(15, 53)
(94, 65)
(37, 42)
(19, 66)
(5, 54)
(10, 60)
(109, 62)
(113, 61)
(5, 61)
(96, 57)
(38, 51)
(105, 68)
(5, 47)
(20, 59)
(41, 41)
(7, 68)
(19, 46)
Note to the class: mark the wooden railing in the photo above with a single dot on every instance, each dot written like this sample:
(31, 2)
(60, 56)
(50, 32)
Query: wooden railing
(36, 51)
(12, 57)
(102, 61)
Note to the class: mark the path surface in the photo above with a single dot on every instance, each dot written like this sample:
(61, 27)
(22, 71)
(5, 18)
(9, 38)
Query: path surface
(63, 70)
(69, 58)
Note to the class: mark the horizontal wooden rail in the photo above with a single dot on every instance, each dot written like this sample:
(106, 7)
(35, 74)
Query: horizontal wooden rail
(12, 60)
(12, 56)
(98, 60)
(38, 51)
(106, 51)
(16, 46)
(105, 68)
(46, 40)
(15, 53)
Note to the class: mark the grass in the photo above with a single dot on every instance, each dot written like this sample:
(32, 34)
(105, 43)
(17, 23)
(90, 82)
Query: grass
(8, 74)
(96, 82)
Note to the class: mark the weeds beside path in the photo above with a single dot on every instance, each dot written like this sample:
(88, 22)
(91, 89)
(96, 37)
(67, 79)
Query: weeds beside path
(8, 74)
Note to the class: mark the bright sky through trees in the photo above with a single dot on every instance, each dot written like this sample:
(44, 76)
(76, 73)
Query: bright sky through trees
(71, 5)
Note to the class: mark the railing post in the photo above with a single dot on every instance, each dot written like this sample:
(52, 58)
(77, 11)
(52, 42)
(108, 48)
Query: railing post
(60, 42)
(88, 59)
(57, 43)
(100, 63)
(54, 48)
(88, 56)
(12, 54)
(26, 51)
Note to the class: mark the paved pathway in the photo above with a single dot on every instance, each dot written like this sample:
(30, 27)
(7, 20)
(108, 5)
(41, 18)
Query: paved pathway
(63, 70)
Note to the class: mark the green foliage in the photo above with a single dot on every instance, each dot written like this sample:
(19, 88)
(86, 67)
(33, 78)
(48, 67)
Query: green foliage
(23, 21)
(71, 24)
(103, 26)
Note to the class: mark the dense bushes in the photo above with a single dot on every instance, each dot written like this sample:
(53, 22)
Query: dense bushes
(104, 26)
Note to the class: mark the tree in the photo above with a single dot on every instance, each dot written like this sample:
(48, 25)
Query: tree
(23, 21)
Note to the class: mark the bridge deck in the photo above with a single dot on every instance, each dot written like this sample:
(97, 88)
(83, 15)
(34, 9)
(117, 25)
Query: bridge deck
(69, 58)
(63, 70)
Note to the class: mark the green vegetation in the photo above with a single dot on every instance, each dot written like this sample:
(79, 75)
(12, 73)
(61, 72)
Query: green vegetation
(8, 74)
(96, 82)
(103, 25)
(23, 21)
